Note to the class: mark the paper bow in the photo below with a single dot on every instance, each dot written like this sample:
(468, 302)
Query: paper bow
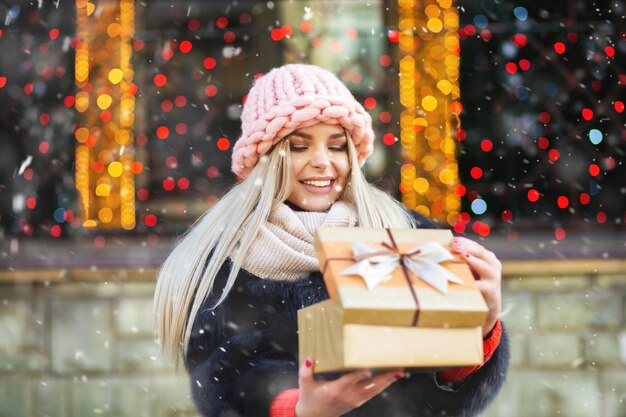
(375, 264)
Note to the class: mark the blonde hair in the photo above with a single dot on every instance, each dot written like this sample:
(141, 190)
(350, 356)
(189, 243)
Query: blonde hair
(186, 278)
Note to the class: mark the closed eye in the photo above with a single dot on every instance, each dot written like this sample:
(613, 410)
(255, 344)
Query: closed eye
(297, 148)
(302, 148)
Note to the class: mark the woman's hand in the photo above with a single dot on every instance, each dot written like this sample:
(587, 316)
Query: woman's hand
(487, 270)
(337, 397)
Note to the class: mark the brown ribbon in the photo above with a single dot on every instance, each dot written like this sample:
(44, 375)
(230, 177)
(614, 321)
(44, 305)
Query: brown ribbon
(406, 274)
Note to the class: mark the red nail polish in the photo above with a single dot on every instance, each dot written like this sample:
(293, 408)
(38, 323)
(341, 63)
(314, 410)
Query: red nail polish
(308, 363)
(399, 376)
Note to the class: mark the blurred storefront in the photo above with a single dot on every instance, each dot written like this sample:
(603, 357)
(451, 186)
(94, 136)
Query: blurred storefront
(522, 149)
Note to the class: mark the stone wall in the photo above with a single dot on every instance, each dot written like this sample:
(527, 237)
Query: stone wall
(84, 349)
(568, 344)
(79, 348)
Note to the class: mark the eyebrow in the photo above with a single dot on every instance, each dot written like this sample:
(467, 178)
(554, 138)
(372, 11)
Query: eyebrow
(309, 137)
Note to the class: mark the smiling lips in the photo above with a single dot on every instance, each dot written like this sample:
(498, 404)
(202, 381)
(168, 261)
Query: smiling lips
(318, 186)
(324, 183)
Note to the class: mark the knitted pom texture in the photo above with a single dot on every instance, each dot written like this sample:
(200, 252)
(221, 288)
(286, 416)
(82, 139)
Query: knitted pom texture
(295, 96)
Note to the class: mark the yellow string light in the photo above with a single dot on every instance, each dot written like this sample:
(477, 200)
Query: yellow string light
(429, 94)
(104, 75)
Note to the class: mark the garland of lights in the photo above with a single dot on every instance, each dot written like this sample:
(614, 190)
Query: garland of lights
(105, 164)
(429, 93)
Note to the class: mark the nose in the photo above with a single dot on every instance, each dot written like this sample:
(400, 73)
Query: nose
(320, 158)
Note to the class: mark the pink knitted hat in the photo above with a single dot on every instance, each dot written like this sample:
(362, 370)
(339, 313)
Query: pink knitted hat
(293, 96)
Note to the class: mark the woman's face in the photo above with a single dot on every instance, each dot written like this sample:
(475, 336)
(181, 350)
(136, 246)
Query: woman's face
(319, 156)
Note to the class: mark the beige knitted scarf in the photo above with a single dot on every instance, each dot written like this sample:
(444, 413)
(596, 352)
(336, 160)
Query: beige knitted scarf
(284, 248)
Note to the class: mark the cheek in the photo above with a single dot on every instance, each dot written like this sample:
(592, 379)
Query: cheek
(343, 167)
(295, 169)
(296, 165)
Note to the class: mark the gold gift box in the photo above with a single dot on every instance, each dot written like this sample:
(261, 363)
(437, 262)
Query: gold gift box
(337, 345)
(392, 303)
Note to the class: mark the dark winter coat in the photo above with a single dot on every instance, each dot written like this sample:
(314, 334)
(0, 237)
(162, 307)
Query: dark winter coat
(244, 353)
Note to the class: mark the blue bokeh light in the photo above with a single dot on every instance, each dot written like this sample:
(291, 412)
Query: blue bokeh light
(521, 92)
(59, 215)
(479, 206)
(595, 136)
(520, 13)
(481, 21)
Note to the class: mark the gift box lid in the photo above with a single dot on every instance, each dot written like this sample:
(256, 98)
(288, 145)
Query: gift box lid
(393, 301)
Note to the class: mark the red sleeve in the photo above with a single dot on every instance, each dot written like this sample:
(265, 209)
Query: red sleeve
(489, 346)
(284, 405)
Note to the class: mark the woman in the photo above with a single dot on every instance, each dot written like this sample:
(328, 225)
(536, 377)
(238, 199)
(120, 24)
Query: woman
(227, 296)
